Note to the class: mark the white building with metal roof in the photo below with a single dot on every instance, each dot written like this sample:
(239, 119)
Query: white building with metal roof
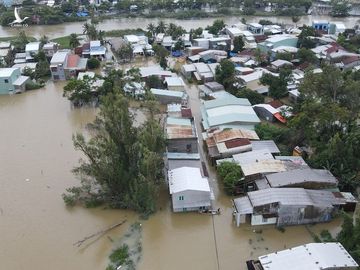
(313, 256)
(189, 190)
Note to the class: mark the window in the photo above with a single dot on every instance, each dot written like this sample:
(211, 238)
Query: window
(6, 81)
(54, 69)
(56, 77)
(181, 198)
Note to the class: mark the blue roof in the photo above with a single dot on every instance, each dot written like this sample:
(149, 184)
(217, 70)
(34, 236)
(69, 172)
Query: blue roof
(233, 118)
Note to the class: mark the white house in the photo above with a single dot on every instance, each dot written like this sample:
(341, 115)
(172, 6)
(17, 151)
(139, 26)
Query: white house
(189, 190)
(31, 49)
(175, 83)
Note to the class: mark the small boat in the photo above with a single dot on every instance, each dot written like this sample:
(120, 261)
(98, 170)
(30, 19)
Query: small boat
(210, 212)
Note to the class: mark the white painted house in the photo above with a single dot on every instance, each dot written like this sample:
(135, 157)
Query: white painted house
(189, 190)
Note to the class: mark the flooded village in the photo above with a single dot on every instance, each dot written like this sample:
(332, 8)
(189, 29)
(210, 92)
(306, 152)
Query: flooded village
(259, 120)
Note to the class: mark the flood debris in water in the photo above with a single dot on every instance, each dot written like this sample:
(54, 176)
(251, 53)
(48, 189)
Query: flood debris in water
(128, 251)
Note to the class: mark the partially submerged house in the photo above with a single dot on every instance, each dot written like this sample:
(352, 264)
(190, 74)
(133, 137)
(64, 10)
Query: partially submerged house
(11, 81)
(286, 206)
(175, 83)
(181, 135)
(167, 96)
(31, 50)
(64, 65)
(228, 112)
(326, 256)
(189, 190)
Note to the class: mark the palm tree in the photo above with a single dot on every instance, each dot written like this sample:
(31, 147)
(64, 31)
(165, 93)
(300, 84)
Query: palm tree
(161, 28)
(295, 19)
(74, 41)
(44, 39)
(152, 29)
(86, 27)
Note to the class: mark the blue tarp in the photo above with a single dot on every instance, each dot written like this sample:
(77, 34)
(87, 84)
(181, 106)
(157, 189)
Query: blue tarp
(176, 53)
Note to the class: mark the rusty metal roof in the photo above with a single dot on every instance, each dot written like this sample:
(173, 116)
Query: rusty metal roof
(230, 134)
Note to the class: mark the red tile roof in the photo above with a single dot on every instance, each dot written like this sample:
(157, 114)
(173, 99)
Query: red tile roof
(73, 61)
(350, 59)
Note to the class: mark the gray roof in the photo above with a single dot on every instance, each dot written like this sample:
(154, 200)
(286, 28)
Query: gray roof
(243, 205)
(59, 57)
(267, 145)
(301, 176)
(226, 101)
(252, 156)
(294, 196)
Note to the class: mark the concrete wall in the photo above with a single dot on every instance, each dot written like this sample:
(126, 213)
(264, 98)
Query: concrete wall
(260, 220)
(192, 201)
(6, 83)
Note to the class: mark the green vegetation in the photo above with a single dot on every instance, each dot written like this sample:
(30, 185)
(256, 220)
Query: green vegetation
(121, 33)
(64, 42)
(304, 40)
(327, 122)
(231, 175)
(238, 44)
(277, 85)
(306, 56)
(161, 53)
(225, 73)
(349, 236)
(253, 96)
(340, 8)
(123, 167)
(125, 53)
(93, 63)
(216, 27)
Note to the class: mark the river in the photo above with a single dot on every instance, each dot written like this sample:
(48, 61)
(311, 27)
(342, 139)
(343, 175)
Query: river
(37, 231)
(65, 29)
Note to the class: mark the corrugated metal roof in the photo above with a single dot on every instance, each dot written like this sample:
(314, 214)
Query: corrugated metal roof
(263, 167)
(252, 157)
(192, 156)
(174, 81)
(177, 128)
(243, 205)
(301, 176)
(187, 178)
(162, 92)
(311, 256)
(230, 134)
(265, 145)
(230, 100)
(7, 72)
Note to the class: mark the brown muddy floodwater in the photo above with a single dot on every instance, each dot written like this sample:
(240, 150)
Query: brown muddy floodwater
(37, 231)
(65, 29)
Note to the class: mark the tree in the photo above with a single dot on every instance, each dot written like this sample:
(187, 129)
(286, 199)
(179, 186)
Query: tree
(304, 37)
(74, 41)
(284, 56)
(161, 27)
(231, 174)
(152, 29)
(175, 31)
(20, 42)
(306, 55)
(78, 91)
(125, 53)
(43, 66)
(277, 85)
(154, 81)
(238, 44)
(196, 33)
(91, 31)
(163, 62)
(124, 164)
(295, 19)
(93, 63)
(225, 72)
(43, 40)
(216, 27)
(253, 96)
(340, 8)
(179, 45)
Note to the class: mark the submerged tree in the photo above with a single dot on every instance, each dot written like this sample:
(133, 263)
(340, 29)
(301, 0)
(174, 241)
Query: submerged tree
(123, 166)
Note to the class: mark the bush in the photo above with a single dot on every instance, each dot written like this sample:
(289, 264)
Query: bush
(93, 63)
(33, 85)
(253, 96)
(270, 132)
(231, 175)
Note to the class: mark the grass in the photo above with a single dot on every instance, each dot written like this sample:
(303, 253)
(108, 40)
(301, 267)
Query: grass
(63, 41)
(4, 39)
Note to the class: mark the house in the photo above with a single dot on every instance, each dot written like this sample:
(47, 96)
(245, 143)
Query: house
(188, 70)
(214, 86)
(189, 190)
(286, 206)
(233, 32)
(228, 112)
(203, 72)
(31, 49)
(175, 83)
(11, 81)
(168, 96)
(5, 48)
(255, 28)
(177, 160)
(321, 25)
(252, 80)
(135, 89)
(326, 256)
(276, 41)
(154, 70)
(349, 62)
(269, 113)
(181, 135)
(304, 178)
(97, 50)
(228, 142)
(279, 63)
(23, 66)
(20, 58)
(64, 65)
(50, 49)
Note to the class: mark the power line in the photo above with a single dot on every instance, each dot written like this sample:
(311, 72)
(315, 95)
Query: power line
(216, 248)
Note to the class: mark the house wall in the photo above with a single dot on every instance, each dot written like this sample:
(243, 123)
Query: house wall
(192, 201)
(6, 83)
(260, 220)
(57, 72)
(188, 145)
(177, 88)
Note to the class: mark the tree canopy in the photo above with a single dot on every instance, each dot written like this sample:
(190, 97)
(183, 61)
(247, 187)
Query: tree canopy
(123, 165)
